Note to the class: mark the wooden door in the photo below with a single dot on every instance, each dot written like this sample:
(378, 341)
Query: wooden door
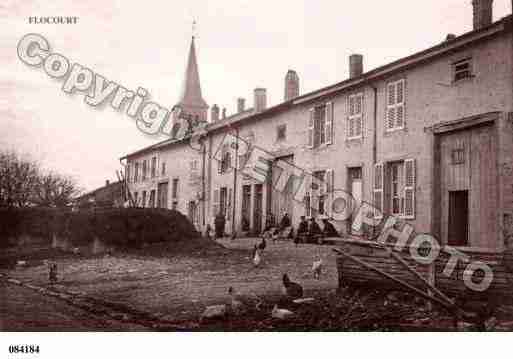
(458, 218)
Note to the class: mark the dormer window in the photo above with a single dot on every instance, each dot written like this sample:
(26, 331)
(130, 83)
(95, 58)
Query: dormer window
(462, 70)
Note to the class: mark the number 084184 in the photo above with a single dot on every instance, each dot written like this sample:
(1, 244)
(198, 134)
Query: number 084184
(26, 349)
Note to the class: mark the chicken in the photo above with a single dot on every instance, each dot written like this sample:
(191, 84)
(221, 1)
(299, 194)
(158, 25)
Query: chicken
(262, 244)
(214, 312)
(256, 257)
(291, 290)
(281, 313)
(235, 304)
(317, 268)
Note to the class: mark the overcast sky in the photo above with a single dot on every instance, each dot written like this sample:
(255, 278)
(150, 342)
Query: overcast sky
(240, 45)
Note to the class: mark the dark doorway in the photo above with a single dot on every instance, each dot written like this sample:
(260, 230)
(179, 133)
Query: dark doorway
(257, 209)
(246, 207)
(223, 200)
(458, 218)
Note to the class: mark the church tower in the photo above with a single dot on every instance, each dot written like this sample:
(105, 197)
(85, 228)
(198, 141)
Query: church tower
(192, 102)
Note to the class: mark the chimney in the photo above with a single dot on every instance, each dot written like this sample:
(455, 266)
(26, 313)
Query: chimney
(260, 99)
(107, 182)
(291, 85)
(482, 13)
(355, 66)
(224, 112)
(450, 37)
(240, 104)
(214, 113)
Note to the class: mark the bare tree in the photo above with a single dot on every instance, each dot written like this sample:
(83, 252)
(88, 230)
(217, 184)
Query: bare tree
(55, 190)
(18, 176)
(23, 183)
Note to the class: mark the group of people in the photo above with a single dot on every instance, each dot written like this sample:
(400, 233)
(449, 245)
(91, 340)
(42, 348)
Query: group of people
(307, 230)
(311, 231)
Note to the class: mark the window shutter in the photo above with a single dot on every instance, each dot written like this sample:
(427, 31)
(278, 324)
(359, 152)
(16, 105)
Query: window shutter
(329, 123)
(359, 108)
(409, 188)
(378, 188)
(220, 162)
(215, 203)
(400, 103)
(311, 129)
(329, 189)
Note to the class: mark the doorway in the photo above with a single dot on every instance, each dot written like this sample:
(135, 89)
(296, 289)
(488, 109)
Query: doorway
(458, 218)
(246, 207)
(257, 211)
(162, 195)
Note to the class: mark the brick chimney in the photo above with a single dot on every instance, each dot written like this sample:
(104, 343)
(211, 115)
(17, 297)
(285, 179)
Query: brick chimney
(483, 12)
(240, 104)
(291, 85)
(260, 99)
(224, 113)
(214, 113)
(355, 65)
(107, 182)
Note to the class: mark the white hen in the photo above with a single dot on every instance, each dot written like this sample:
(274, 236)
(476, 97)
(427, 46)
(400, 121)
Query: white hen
(317, 268)
(257, 259)
(281, 313)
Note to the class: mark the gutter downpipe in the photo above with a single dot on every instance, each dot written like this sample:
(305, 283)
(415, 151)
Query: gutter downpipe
(374, 142)
(234, 194)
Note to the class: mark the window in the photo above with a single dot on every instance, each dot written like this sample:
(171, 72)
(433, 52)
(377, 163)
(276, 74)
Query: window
(153, 167)
(458, 156)
(163, 171)
(395, 105)
(321, 193)
(281, 132)
(136, 199)
(226, 160)
(144, 169)
(194, 165)
(462, 70)
(128, 179)
(355, 120)
(174, 190)
(320, 125)
(396, 188)
(396, 182)
(152, 199)
(143, 199)
(136, 172)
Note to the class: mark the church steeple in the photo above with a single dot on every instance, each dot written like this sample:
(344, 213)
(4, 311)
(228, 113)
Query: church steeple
(191, 101)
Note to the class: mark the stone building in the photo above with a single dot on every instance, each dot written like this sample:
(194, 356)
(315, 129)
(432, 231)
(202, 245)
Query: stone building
(427, 138)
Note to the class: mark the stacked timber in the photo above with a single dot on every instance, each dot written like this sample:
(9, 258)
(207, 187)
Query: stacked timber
(352, 272)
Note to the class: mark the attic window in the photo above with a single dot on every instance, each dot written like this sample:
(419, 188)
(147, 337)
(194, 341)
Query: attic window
(462, 69)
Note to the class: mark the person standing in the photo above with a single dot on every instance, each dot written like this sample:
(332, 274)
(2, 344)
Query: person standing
(219, 223)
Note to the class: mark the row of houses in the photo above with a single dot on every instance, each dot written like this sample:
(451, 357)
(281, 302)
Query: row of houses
(427, 138)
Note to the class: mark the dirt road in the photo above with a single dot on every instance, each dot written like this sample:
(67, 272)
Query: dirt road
(22, 309)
